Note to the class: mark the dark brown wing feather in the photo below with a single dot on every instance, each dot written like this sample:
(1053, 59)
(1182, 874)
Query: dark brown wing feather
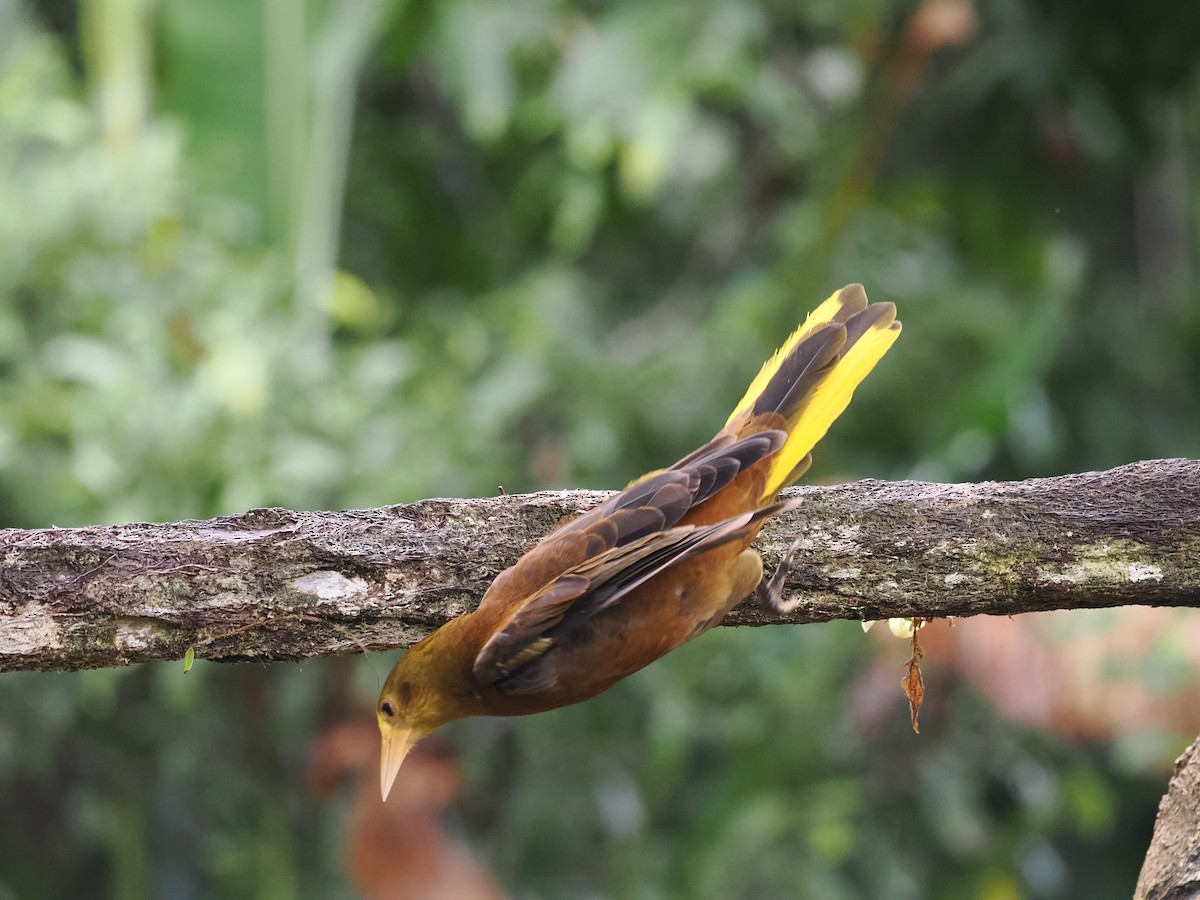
(518, 658)
(719, 461)
(593, 562)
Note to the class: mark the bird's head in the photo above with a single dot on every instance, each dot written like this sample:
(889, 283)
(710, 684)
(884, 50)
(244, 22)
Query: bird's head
(424, 691)
(402, 721)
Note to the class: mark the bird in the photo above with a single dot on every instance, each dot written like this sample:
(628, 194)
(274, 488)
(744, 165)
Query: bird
(651, 567)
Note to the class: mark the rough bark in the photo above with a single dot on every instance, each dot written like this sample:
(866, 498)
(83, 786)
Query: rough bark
(277, 584)
(1172, 867)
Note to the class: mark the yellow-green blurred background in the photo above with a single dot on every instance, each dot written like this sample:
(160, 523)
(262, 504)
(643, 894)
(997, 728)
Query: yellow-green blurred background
(339, 253)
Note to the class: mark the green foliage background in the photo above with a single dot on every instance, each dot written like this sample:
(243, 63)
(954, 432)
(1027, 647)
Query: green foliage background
(335, 254)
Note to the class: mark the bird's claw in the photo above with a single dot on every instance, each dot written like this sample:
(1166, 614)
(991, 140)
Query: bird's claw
(770, 591)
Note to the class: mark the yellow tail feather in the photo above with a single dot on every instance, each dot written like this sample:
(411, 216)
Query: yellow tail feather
(812, 414)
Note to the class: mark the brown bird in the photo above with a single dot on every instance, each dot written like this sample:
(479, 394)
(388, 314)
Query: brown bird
(651, 567)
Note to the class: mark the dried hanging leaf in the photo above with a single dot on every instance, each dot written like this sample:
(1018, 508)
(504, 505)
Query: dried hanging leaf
(912, 684)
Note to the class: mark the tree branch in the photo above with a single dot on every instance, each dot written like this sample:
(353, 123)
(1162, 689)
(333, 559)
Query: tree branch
(277, 584)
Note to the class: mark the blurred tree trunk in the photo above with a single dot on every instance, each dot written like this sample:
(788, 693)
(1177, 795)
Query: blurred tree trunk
(1172, 867)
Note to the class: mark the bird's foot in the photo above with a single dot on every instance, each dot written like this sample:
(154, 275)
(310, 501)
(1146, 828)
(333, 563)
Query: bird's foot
(770, 591)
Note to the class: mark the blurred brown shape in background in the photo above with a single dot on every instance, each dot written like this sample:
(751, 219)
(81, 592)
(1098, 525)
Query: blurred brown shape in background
(1093, 674)
(399, 850)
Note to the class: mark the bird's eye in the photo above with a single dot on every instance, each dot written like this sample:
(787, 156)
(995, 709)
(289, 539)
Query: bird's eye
(386, 708)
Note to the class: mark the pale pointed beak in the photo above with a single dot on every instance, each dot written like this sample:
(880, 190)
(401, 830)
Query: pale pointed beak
(396, 745)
